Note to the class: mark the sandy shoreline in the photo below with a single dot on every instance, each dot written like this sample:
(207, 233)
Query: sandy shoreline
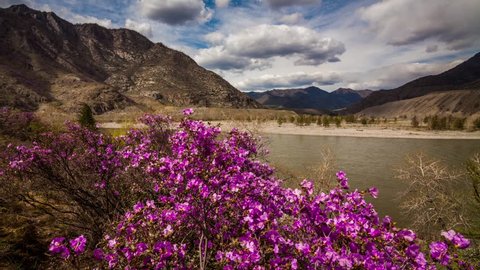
(314, 130)
(372, 132)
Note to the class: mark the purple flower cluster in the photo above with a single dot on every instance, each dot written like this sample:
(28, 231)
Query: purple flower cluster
(211, 204)
(60, 246)
(218, 207)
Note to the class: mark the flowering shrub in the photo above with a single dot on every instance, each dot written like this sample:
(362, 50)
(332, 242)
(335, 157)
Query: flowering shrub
(15, 124)
(209, 204)
(82, 177)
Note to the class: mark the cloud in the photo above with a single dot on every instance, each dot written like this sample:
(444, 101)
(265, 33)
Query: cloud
(401, 22)
(214, 38)
(217, 58)
(395, 75)
(269, 81)
(293, 18)
(76, 18)
(222, 3)
(175, 12)
(431, 48)
(141, 27)
(305, 45)
(286, 3)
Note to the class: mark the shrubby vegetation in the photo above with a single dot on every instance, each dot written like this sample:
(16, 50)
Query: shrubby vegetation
(191, 197)
(16, 125)
(444, 123)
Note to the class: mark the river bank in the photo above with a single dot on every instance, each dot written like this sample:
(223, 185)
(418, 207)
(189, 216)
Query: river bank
(349, 131)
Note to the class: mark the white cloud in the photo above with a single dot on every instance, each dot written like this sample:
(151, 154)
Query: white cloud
(214, 38)
(269, 81)
(218, 58)
(175, 12)
(293, 18)
(286, 3)
(393, 76)
(141, 27)
(401, 22)
(305, 45)
(76, 18)
(431, 48)
(222, 3)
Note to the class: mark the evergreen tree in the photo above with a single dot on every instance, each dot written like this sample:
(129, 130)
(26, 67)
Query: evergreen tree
(86, 117)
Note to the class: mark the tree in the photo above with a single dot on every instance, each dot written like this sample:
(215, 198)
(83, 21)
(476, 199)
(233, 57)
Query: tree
(473, 168)
(280, 121)
(458, 123)
(429, 198)
(86, 117)
(364, 121)
(338, 121)
(476, 123)
(350, 118)
(326, 121)
(415, 122)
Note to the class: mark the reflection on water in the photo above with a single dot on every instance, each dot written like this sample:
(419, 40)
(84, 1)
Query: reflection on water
(367, 161)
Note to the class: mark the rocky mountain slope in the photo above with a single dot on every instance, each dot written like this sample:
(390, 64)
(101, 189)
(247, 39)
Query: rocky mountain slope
(465, 76)
(45, 59)
(309, 98)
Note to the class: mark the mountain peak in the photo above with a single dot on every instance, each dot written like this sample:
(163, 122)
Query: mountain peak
(308, 98)
(20, 8)
(52, 60)
(464, 76)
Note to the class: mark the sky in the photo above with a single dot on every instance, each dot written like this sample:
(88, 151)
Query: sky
(259, 45)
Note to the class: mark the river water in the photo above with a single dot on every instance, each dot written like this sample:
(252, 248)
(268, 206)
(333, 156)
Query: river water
(367, 161)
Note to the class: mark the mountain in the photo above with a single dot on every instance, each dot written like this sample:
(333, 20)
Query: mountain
(309, 98)
(465, 76)
(45, 59)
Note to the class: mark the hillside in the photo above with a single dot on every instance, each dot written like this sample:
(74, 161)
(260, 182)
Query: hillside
(462, 77)
(461, 103)
(309, 98)
(47, 60)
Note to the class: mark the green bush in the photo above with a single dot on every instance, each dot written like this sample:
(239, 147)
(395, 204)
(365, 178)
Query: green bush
(86, 117)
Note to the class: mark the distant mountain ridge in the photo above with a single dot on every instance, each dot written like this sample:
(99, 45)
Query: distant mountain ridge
(465, 76)
(309, 98)
(45, 59)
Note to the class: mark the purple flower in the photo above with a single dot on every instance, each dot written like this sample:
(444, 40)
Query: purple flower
(439, 252)
(98, 254)
(78, 244)
(342, 179)
(457, 239)
(373, 192)
(65, 253)
(187, 111)
(449, 234)
(141, 247)
(308, 186)
(138, 207)
(408, 235)
(57, 245)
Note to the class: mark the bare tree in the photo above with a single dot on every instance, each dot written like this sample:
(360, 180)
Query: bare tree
(323, 174)
(473, 168)
(432, 198)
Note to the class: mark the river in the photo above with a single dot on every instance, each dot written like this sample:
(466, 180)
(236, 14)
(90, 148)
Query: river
(367, 161)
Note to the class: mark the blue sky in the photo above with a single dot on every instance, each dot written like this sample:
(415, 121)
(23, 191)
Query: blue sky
(264, 44)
